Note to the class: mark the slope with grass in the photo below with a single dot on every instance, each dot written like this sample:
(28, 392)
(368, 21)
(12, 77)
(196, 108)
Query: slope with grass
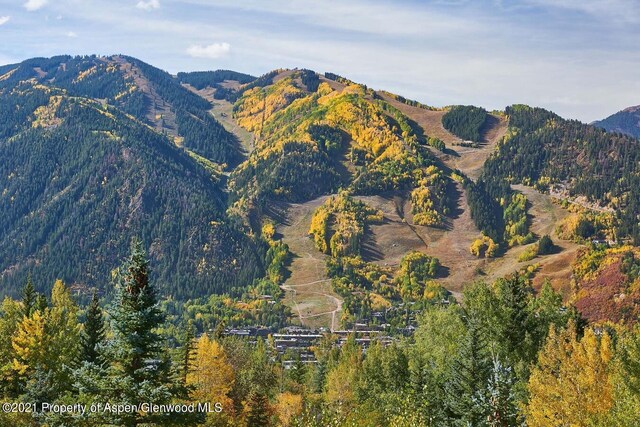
(308, 289)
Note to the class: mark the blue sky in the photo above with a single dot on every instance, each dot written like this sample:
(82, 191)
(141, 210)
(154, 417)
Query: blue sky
(579, 58)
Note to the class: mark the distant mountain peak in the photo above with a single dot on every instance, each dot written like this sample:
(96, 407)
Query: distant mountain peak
(633, 109)
(626, 121)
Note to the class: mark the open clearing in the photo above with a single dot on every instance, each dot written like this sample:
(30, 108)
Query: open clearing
(468, 159)
(555, 267)
(308, 290)
(222, 110)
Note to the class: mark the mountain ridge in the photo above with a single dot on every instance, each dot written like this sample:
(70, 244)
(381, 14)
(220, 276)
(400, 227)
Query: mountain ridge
(625, 121)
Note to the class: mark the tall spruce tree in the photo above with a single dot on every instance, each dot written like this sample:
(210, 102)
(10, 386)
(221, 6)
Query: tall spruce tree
(187, 351)
(41, 303)
(501, 398)
(29, 296)
(467, 386)
(515, 325)
(138, 371)
(94, 332)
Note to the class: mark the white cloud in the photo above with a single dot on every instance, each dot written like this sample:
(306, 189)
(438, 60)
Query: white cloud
(72, 34)
(148, 5)
(32, 5)
(4, 19)
(216, 50)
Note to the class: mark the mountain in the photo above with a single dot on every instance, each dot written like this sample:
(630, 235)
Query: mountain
(98, 150)
(572, 158)
(626, 121)
(139, 89)
(316, 134)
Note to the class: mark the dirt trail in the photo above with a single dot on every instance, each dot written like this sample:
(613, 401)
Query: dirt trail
(308, 290)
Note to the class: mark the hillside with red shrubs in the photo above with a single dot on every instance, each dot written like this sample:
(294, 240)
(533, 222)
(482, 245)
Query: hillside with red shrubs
(607, 286)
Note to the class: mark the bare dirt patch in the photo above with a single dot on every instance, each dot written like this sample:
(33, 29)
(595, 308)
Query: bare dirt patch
(308, 289)
(389, 242)
(337, 86)
(283, 75)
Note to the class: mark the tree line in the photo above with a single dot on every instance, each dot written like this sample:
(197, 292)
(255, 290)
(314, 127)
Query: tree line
(508, 357)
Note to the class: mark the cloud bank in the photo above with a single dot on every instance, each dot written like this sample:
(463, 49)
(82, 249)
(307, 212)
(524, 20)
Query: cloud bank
(148, 5)
(212, 51)
(33, 5)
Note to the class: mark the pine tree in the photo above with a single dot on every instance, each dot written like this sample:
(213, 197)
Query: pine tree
(41, 303)
(136, 316)
(94, 332)
(298, 371)
(513, 295)
(258, 410)
(501, 399)
(218, 333)
(28, 297)
(187, 351)
(469, 375)
(138, 371)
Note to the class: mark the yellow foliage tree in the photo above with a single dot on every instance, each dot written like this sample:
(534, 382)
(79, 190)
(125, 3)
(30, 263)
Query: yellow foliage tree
(49, 340)
(11, 316)
(63, 325)
(484, 246)
(320, 227)
(477, 248)
(343, 378)
(571, 386)
(211, 375)
(268, 230)
(289, 406)
(31, 344)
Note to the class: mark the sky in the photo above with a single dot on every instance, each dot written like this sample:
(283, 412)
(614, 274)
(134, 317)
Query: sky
(579, 58)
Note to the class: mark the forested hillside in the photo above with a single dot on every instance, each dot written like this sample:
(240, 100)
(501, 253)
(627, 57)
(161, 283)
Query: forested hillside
(310, 278)
(147, 93)
(571, 158)
(314, 138)
(508, 357)
(79, 177)
(465, 121)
